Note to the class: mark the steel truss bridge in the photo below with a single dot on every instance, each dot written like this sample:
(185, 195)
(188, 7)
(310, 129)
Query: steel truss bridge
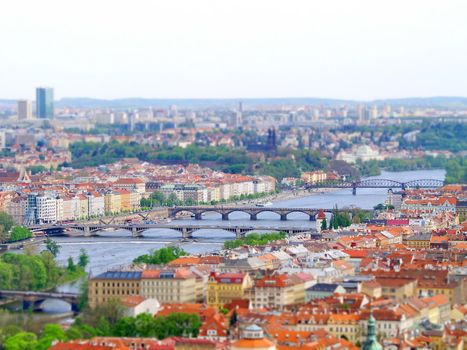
(137, 230)
(379, 183)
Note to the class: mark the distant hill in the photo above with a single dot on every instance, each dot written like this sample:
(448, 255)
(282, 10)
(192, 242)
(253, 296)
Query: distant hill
(7, 102)
(451, 102)
(81, 102)
(195, 103)
(440, 101)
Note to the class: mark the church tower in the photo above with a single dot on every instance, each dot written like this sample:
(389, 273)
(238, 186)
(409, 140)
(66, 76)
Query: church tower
(371, 343)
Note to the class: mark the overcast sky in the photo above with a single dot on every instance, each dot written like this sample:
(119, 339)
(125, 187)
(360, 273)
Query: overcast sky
(354, 49)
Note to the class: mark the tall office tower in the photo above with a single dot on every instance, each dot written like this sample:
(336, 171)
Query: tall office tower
(386, 111)
(24, 109)
(360, 111)
(240, 107)
(374, 112)
(44, 102)
(2, 139)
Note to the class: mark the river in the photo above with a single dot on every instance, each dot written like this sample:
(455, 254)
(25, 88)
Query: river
(117, 248)
(114, 249)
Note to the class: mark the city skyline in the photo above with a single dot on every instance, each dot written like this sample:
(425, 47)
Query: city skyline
(360, 51)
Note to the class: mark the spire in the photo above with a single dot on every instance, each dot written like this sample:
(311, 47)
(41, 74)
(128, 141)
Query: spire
(371, 343)
(371, 327)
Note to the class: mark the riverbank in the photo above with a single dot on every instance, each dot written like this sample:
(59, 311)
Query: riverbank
(21, 244)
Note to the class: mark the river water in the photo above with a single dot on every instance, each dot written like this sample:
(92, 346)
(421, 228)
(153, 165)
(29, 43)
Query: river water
(111, 250)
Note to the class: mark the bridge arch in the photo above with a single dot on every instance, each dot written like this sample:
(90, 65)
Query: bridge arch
(255, 213)
(39, 304)
(209, 210)
(311, 214)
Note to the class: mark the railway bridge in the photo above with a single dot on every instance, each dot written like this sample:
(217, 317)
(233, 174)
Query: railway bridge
(378, 183)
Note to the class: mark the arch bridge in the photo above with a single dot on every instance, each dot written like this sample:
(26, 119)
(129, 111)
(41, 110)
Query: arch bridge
(34, 300)
(253, 212)
(379, 183)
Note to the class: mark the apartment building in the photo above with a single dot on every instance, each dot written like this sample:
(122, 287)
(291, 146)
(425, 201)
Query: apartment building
(397, 288)
(183, 192)
(17, 207)
(96, 204)
(130, 184)
(312, 177)
(170, 286)
(43, 208)
(112, 202)
(278, 291)
(113, 285)
(418, 241)
(223, 288)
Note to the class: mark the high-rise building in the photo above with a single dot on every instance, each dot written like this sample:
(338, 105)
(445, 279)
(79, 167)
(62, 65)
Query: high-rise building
(374, 112)
(2, 139)
(24, 109)
(360, 112)
(44, 102)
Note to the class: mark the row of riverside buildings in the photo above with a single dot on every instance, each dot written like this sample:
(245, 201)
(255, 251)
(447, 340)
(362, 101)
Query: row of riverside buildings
(70, 194)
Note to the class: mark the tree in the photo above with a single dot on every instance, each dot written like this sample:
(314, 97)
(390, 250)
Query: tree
(83, 259)
(324, 225)
(6, 221)
(125, 327)
(6, 276)
(160, 256)
(52, 246)
(19, 233)
(51, 333)
(21, 341)
(51, 267)
(71, 267)
(109, 312)
(83, 295)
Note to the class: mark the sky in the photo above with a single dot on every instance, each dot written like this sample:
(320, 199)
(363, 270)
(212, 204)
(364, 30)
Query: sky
(349, 49)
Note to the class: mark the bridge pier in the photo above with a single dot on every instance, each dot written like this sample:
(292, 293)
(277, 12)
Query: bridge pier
(87, 231)
(239, 233)
(253, 216)
(283, 217)
(74, 307)
(135, 233)
(28, 305)
(187, 233)
(198, 216)
(225, 216)
(312, 217)
(33, 305)
(354, 188)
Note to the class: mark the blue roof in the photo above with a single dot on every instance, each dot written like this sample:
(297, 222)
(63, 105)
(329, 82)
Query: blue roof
(323, 287)
(119, 275)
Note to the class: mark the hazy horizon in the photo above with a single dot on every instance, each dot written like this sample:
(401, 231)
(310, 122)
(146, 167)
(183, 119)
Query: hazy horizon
(346, 50)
